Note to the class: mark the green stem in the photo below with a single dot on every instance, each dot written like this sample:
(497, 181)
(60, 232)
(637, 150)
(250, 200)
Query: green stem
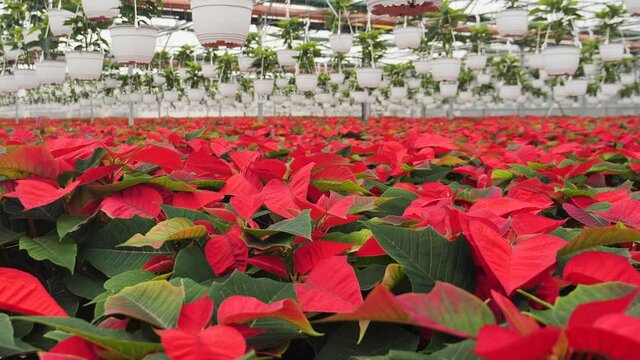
(535, 299)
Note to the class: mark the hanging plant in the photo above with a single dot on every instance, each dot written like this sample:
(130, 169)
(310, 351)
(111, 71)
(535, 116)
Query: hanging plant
(290, 31)
(373, 48)
(227, 66)
(307, 52)
(442, 27)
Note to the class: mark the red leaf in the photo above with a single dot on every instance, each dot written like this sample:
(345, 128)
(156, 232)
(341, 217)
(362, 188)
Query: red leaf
(36, 193)
(307, 256)
(195, 200)
(584, 217)
(331, 287)
(247, 205)
(166, 158)
(195, 316)
(506, 206)
(613, 336)
(519, 322)
(498, 343)
(242, 309)
(22, 293)
(227, 252)
(585, 315)
(205, 165)
(158, 264)
(514, 266)
(626, 211)
(139, 200)
(28, 160)
(214, 343)
(284, 199)
(527, 224)
(596, 267)
(270, 263)
(71, 348)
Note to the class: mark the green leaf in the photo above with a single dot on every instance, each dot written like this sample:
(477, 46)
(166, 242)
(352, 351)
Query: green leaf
(564, 306)
(8, 236)
(117, 341)
(592, 237)
(84, 285)
(299, 226)
(400, 199)
(339, 186)
(426, 256)
(194, 134)
(263, 289)
(342, 344)
(396, 355)
(128, 278)
(357, 238)
(192, 290)
(499, 176)
(67, 224)
(174, 229)
(176, 212)
(463, 350)
(191, 263)
(9, 345)
(155, 302)
(50, 248)
(164, 181)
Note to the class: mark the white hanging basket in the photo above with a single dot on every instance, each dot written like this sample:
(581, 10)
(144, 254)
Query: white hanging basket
(282, 83)
(135, 98)
(337, 78)
(209, 71)
(537, 83)
(576, 87)
(341, 43)
(483, 79)
(111, 83)
(422, 67)
(535, 61)
(286, 57)
(196, 95)
(513, 22)
(465, 96)
(445, 69)
(101, 10)
(369, 78)
(448, 89)
(633, 7)
(245, 63)
(8, 83)
(221, 22)
(360, 97)
(57, 18)
(590, 69)
(171, 96)
(228, 90)
(278, 99)
(133, 45)
(476, 62)
(627, 79)
(561, 60)
(149, 99)
(263, 86)
(51, 72)
(407, 37)
(306, 82)
(12, 54)
(398, 92)
(611, 89)
(611, 52)
(84, 65)
(158, 80)
(414, 84)
(403, 7)
(26, 79)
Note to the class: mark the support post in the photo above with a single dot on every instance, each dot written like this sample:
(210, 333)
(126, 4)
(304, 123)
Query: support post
(260, 110)
(17, 111)
(132, 120)
(365, 112)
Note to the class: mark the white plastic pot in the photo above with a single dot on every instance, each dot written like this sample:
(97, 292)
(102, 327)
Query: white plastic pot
(536, 61)
(561, 60)
(171, 96)
(513, 22)
(149, 99)
(633, 6)
(282, 83)
(537, 83)
(84, 65)
(57, 18)
(12, 54)
(279, 99)
(51, 71)
(135, 97)
(101, 10)
(8, 83)
(414, 84)
(448, 89)
(627, 79)
(196, 95)
(398, 92)
(133, 45)
(422, 67)
(611, 89)
(576, 87)
(228, 90)
(590, 69)
(360, 97)
(483, 79)
(111, 83)
(476, 62)
(407, 37)
(183, 73)
(221, 22)
(465, 96)
(263, 86)
(445, 69)
(369, 78)
(209, 71)
(510, 92)
(158, 80)
(245, 63)
(341, 43)
(306, 82)
(286, 57)
(611, 52)
(26, 79)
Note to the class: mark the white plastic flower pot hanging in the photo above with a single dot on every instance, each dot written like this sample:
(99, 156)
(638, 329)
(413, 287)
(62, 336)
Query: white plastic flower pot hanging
(465, 96)
(245, 63)
(611, 52)
(110, 83)
(8, 83)
(171, 96)
(576, 87)
(196, 95)
(398, 92)
(209, 71)
(422, 67)
(263, 86)
(57, 18)
(341, 43)
(535, 61)
(561, 60)
(101, 10)
(306, 82)
(337, 78)
(369, 78)
(513, 22)
(445, 69)
(158, 80)
(282, 83)
(627, 79)
(633, 7)
(278, 99)
(26, 79)
(12, 54)
(133, 44)
(149, 99)
(84, 65)
(286, 57)
(590, 69)
(51, 72)
(360, 97)
(228, 90)
(221, 22)
(448, 89)
(537, 83)
(414, 84)
(476, 62)
(403, 7)
(483, 79)
(408, 37)
(611, 89)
